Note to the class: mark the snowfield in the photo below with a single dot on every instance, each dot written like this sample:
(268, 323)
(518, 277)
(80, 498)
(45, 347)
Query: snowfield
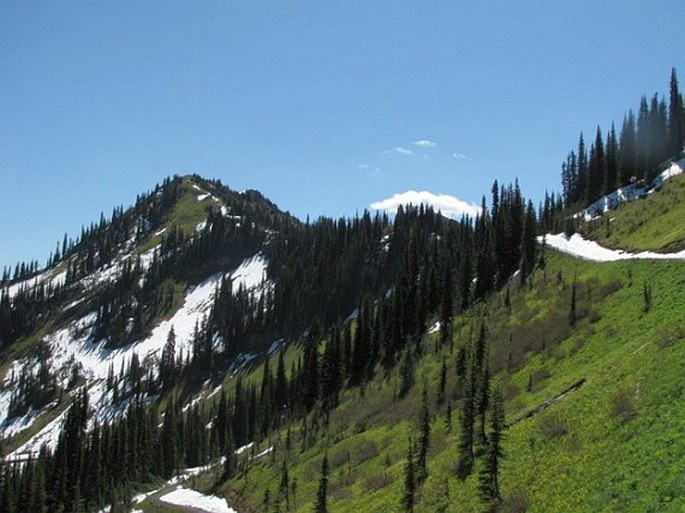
(577, 246)
(185, 497)
(73, 345)
(630, 192)
(47, 436)
(45, 277)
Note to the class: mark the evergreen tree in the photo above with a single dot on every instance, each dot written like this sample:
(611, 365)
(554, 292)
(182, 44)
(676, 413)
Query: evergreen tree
(465, 461)
(424, 441)
(489, 475)
(406, 373)
(407, 500)
(442, 384)
(676, 118)
(281, 386)
(611, 166)
(230, 459)
(169, 442)
(569, 179)
(596, 169)
(284, 487)
(167, 364)
(321, 494)
(627, 150)
(572, 316)
(447, 305)
(582, 169)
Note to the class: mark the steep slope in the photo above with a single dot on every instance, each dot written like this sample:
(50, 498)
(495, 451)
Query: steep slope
(159, 307)
(614, 442)
(109, 304)
(637, 219)
(213, 342)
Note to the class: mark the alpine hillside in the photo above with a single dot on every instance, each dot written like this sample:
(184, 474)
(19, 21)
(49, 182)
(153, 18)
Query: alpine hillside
(202, 348)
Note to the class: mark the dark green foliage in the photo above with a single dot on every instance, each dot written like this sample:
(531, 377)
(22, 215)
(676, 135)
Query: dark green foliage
(572, 315)
(321, 494)
(424, 439)
(466, 433)
(489, 475)
(646, 297)
(644, 142)
(406, 373)
(442, 384)
(676, 117)
(407, 499)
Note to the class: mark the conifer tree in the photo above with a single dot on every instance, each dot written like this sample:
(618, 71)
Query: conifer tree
(284, 487)
(321, 494)
(407, 500)
(489, 475)
(167, 365)
(447, 305)
(424, 441)
(406, 373)
(627, 150)
(442, 384)
(229, 461)
(281, 386)
(572, 316)
(582, 169)
(465, 461)
(676, 119)
(611, 162)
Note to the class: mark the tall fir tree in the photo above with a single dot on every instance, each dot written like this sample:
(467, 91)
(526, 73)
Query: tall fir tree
(424, 441)
(488, 477)
(407, 499)
(627, 150)
(676, 119)
(611, 165)
(322, 493)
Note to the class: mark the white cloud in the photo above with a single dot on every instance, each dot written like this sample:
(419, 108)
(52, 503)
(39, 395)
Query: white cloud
(363, 167)
(424, 143)
(401, 151)
(450, 206)
(460, 156)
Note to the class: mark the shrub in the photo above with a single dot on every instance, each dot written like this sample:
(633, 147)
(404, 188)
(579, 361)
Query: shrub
(377, 481)
(365, 450)
(622, 407)
(514, 502)
(552, 426)
(667, 337)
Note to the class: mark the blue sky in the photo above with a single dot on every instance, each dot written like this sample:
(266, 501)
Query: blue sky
(326, 107)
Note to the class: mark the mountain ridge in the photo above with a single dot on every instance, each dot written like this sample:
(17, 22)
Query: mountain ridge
(287, 333)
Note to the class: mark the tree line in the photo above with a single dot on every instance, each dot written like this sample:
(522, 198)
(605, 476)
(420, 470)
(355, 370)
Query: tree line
(634, 154)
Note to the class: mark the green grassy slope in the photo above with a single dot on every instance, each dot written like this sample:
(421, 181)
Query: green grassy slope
(187, 213)
(655, 223)
(617, 443)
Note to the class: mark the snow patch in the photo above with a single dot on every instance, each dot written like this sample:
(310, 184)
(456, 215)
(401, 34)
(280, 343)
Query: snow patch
(353, 315)
(251, 274)
(74, 345)
(435, 328)
(266, 451)
(275, 346)
(11, 427)
(186, 497)
(630, 192)
(577, 246)
(47, 436)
